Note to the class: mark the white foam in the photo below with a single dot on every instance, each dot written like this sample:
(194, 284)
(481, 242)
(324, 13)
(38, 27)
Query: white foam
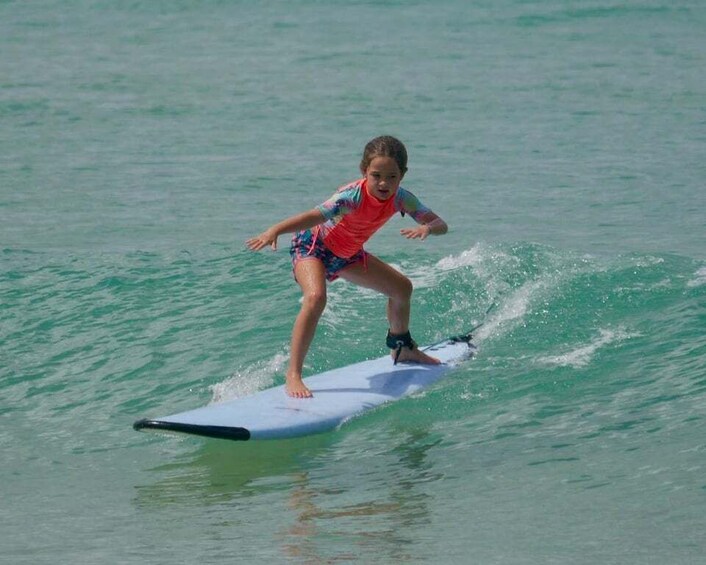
(700, 279)
(480, 256)
(583, 354)
(469, 258)
(249, 380)
(510, 312)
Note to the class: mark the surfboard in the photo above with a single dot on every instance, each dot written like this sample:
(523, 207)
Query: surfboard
(339, 395)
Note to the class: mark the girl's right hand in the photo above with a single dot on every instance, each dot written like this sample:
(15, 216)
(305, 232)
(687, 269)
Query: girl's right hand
(268, 237)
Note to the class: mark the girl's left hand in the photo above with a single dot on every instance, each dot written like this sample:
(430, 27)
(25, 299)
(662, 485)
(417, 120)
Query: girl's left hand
(419, 232)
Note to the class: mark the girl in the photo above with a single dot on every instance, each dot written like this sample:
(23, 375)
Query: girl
(328, 243)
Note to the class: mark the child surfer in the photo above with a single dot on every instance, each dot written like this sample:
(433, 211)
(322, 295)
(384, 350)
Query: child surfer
(328, 244)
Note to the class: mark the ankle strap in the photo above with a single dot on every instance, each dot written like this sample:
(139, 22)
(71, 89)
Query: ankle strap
(398, 341)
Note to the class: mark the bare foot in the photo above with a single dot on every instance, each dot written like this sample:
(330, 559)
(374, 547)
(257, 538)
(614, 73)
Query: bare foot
(408, 355)
(296, 388)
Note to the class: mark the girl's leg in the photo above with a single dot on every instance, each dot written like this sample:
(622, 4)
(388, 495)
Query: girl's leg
(398, 289)
(311, 276)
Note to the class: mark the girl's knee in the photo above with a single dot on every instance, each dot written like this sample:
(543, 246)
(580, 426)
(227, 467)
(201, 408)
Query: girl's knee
(315, 300)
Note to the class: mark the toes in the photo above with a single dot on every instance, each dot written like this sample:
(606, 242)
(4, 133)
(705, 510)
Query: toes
(306, 393)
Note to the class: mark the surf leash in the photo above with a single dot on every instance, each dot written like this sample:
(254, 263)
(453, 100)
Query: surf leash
(467, 337)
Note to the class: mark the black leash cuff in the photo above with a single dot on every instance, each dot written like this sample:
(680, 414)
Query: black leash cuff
(398, 341)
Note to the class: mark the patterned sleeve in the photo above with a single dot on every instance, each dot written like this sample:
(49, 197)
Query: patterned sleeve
(341, 203)
(408, 203)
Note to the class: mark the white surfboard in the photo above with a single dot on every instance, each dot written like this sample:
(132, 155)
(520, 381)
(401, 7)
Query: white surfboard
(339, 395)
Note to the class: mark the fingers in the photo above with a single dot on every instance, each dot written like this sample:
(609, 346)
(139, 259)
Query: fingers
(415, 233)
(255, 244)
(261, 241)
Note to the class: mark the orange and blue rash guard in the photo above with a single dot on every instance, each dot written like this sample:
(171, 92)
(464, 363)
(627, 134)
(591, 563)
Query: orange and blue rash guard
(353, 216)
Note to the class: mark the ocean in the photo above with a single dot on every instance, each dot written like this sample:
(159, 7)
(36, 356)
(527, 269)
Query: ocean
(564, 142)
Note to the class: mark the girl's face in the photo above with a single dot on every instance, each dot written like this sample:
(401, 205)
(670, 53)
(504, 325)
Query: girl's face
(384, 177)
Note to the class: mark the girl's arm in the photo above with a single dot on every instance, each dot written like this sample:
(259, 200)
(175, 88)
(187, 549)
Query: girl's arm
(302, 221)
(429, 223)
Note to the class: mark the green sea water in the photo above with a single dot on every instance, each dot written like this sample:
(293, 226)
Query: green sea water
(564, 142)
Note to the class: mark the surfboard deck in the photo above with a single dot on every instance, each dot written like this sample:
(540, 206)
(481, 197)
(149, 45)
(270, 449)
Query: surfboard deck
(339, 395)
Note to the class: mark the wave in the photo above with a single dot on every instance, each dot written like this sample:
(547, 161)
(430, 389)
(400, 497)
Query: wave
(85, 333)
(553, 310)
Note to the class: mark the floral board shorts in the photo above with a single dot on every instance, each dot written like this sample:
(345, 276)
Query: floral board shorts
(307, 245)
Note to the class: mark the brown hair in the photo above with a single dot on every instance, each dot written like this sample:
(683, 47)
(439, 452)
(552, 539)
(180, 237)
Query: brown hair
(385, 146)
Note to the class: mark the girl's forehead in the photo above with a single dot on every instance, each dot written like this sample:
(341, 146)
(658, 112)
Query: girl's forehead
(383, 164)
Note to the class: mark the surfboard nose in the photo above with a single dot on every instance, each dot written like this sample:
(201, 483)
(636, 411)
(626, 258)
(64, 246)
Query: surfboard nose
(218, 432)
